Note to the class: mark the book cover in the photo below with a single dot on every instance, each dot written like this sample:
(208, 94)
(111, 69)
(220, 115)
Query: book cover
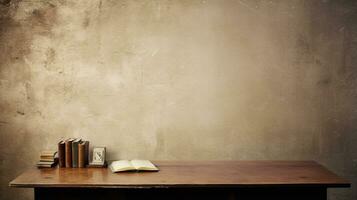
(48, 153)
(81, 154)
(48, 165)
(83, 151)
(62, 153)
(68, 154)
(47, 159)
(75, 152)
(86, 150)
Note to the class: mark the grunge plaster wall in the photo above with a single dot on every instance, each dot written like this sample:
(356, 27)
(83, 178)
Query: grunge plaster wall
(180, 80)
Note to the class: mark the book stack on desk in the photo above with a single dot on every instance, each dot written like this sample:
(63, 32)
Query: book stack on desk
(48, 159)
(73, 153)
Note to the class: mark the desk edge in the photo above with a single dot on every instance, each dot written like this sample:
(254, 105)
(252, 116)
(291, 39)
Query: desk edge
(148, 186)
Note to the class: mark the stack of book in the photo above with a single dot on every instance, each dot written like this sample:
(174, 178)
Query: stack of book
(73, 152)
(48, 159)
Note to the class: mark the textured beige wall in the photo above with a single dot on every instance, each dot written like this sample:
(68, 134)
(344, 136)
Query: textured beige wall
(180, 80)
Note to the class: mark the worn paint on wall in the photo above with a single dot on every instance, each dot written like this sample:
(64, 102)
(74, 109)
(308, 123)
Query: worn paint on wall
(210, 79)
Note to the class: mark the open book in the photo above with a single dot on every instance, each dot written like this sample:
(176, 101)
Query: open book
(138, 165)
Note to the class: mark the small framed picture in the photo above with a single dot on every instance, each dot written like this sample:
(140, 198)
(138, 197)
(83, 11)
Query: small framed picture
(98, 156)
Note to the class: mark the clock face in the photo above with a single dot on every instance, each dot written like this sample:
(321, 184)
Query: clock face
(98, 156)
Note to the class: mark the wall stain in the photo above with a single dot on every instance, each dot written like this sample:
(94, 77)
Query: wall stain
(20, 112)
(303, 50)
(5, 2)
(16, 36)
(14, 39)
(324, 82)
(86, 21)
(50, 58)
(44, 19)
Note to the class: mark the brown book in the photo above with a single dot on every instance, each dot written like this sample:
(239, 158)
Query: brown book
(86, 158)
(83, 153)
(46, 165)
(68, 150)
(62, 153)
(48, 153)
(47, 157)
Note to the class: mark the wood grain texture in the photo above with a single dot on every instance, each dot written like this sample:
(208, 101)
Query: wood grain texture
(176, 174)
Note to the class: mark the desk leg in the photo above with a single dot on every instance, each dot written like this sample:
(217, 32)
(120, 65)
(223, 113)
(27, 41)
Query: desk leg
(36, 193)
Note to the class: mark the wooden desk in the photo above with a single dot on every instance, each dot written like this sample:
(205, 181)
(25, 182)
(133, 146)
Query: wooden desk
(187, 180)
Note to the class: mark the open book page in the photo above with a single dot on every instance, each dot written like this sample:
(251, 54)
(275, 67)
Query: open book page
(145, 165)
(121, 165)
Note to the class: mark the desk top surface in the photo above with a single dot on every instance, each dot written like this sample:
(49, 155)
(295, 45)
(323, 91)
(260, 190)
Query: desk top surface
(188, 174)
